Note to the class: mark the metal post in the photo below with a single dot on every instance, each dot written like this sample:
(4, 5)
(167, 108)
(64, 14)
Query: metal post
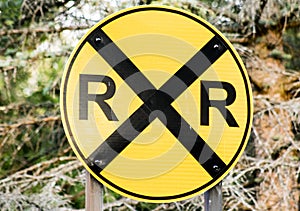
(213, 198)
(93, 194)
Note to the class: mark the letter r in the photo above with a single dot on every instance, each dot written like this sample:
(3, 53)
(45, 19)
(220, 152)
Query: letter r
(218, 104)
(84, 95)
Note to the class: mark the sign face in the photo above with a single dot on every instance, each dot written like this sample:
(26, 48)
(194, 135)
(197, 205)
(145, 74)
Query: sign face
(156, 104)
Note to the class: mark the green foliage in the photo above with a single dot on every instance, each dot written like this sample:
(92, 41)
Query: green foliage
(32, 142)
(76, 190)
(10, 13)
(292, 47)
(146, 206)
(110, 196)
(280, 55)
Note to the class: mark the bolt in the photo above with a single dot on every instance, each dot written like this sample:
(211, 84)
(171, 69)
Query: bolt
(98, 40)
(216, 168)
(216, 46)
(99, 163)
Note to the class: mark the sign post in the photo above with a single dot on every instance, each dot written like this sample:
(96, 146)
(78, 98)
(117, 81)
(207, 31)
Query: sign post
(213, 198)
(93, 194)
(156, 104)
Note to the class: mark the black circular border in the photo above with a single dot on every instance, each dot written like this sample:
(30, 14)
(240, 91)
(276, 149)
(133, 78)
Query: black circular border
(249, 100)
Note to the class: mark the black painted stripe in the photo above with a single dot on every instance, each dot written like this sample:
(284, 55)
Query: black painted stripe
(120, 139)
(123, 66)
(195, 67)
(155, 100)
(193, 143)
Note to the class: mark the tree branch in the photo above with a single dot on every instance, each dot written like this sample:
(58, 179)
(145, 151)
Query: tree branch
(259, 12)
(6, 127)
(43, 30)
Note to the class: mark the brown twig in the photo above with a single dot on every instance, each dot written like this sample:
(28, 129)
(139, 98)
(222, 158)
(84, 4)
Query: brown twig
(42, 30)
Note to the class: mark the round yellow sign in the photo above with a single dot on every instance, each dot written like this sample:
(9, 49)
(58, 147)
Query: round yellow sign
(156, 104)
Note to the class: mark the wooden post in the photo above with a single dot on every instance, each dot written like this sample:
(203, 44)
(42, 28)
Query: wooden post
(93, 194)
(213, 198)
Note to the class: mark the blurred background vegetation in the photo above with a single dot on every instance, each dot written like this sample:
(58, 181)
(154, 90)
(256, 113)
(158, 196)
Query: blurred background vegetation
(38, 170)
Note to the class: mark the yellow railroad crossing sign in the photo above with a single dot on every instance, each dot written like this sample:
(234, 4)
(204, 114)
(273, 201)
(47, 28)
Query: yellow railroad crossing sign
(156, 104)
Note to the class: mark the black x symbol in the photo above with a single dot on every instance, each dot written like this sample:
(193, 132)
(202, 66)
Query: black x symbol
(156, 100)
